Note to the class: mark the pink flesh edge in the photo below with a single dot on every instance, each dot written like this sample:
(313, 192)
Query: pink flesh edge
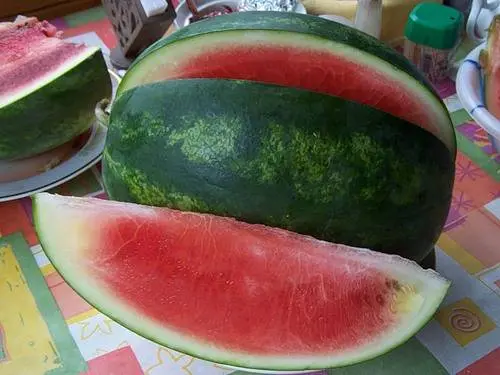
(220, 280)
(29, 51)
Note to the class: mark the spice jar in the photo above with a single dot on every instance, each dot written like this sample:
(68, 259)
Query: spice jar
(431, 37)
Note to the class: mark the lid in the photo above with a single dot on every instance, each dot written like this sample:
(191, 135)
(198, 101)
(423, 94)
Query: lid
(434, 25)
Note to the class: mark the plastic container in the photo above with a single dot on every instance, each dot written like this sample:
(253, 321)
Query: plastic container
(432, 34)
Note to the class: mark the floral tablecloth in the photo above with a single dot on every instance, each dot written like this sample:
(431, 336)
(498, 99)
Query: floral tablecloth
(45, 328)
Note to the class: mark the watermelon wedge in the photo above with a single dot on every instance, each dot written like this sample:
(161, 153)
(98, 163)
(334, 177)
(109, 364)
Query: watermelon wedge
(48, 88)
(235, 293)
(307, 162)
(300, 51)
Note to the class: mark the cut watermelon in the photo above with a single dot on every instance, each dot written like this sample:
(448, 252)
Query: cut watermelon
(300, 51)
(231, 292)
(48, 88)
(490, 61)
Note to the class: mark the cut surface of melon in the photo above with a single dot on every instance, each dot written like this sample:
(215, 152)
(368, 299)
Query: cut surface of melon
(234, 293)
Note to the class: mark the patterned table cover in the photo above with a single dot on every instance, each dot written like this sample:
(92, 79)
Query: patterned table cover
(45, 328)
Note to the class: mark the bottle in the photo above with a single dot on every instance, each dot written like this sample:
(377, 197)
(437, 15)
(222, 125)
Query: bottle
(432, 34)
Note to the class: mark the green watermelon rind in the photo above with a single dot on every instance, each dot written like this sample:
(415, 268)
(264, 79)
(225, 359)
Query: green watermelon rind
(196, 158)
(340, 38)
(57, 110)
(93, 294)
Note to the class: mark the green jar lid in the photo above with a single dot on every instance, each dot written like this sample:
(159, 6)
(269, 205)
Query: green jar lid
(434, 25)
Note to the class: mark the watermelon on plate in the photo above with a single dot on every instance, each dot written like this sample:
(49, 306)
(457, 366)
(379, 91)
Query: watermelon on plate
(231, 292)
(48, 88)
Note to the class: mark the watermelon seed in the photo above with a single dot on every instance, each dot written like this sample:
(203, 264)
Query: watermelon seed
(395, 284)
(380, 300)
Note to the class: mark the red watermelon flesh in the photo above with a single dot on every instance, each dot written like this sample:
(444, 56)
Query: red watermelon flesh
(232, 292)
(30, 51)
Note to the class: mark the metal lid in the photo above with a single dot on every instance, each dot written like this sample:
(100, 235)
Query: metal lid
(434, 25)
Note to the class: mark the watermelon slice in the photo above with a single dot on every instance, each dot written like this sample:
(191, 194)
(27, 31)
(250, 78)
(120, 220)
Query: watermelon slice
(298, 51)
(231, 292)
(490, 61)
(48, 88)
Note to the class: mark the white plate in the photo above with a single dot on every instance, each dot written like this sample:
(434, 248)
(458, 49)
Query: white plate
(470, 85)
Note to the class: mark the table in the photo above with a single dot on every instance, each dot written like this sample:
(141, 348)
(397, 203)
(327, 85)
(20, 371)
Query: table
(45, 328)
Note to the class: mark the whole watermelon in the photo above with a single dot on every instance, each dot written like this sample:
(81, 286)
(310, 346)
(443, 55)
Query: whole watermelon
(290, 121)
